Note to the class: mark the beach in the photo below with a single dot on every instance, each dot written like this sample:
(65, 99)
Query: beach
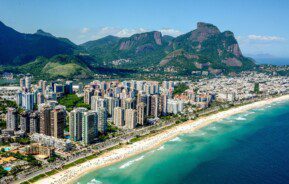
(72, 174)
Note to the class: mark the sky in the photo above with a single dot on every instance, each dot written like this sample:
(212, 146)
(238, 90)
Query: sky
(260, 26)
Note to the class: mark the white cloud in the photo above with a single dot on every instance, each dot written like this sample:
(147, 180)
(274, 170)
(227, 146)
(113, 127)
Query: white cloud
(85, 30)
(126, 32)
(260, 39)
(265, 38)
(254, 44)
(171, 32)
(120, 32)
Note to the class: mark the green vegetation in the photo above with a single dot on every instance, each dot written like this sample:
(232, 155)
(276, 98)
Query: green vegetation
(111, 128)
(3, 172)
(52, 158)
(71, 100)
(23, 140)
(29, 158)
(179, 89)
(6, 103)
(256, 88)
(16, 169)
(2, 124)
(135, 139)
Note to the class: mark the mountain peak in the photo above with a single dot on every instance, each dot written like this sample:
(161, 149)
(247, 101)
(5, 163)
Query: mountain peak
(206, 27)
(43, 33)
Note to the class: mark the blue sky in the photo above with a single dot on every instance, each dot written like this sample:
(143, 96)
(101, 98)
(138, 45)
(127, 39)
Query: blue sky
(261, 27)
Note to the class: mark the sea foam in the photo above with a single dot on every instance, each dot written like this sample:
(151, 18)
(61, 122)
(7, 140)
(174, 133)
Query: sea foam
(177, 139)
(94, 181)
(240, 119)
(129, 163)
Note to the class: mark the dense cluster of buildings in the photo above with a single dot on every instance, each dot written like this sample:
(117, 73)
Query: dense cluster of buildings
(39, 111)
(127, 104)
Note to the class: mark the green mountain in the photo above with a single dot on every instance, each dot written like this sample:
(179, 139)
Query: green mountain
(205, 48)
(139, 50)
(59, 66)
(18, 48)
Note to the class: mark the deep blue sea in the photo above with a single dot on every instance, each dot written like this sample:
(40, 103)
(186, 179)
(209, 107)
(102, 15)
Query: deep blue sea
(273, 61)
(252, 147)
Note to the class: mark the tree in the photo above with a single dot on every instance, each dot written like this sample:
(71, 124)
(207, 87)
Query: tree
(256, 88)
(16, 169)
(3, 172)
(179, 89)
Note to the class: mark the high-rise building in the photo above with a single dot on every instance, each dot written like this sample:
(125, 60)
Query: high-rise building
(102, 120)
(40, 98)
(22, 83)
(45, 125)
(44, 84)
(28, 101)
(28, 83)
(87, 95)
(130, 118)
(154, 109)
(164, 104)
(118, 117)
(175, 106)
(142, 97)
(141, 113)
(129, 103)
(110, 105)
(89, 127)
(75, 123)
(34, 122)
(98, 102)
(19, 98)
(58, 89)
(25, 121)
(11, 119)
(68, 87)
(58, 121)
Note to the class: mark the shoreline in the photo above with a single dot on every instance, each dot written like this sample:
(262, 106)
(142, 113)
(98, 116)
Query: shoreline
(71, 175)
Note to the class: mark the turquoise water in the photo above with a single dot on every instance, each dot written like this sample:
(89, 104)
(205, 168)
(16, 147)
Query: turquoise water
(7, 168)
(252, 147)
(7, 149)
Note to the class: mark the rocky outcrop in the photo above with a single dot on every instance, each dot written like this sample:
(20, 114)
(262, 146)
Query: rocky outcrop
(203, 32)
(158, 38)
(232, 62)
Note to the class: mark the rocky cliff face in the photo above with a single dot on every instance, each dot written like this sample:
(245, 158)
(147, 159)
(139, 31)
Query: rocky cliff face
(141, 40)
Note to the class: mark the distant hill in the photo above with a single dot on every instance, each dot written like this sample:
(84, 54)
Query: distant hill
(59, 66)
(19, 48)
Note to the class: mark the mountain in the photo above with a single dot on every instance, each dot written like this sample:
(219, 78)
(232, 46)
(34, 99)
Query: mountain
(205, 48)
(59, 66)
(138, 50)
(19, 48)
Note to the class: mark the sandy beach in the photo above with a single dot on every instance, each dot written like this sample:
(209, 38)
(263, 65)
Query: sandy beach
(72, 174)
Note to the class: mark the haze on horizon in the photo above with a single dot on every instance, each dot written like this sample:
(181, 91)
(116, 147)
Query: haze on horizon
(259, 26)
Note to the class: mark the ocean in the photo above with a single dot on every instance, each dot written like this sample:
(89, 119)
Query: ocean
(252, 147)
(273, 61)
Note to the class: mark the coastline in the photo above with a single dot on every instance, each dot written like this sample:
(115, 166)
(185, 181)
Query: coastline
(72, 174)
